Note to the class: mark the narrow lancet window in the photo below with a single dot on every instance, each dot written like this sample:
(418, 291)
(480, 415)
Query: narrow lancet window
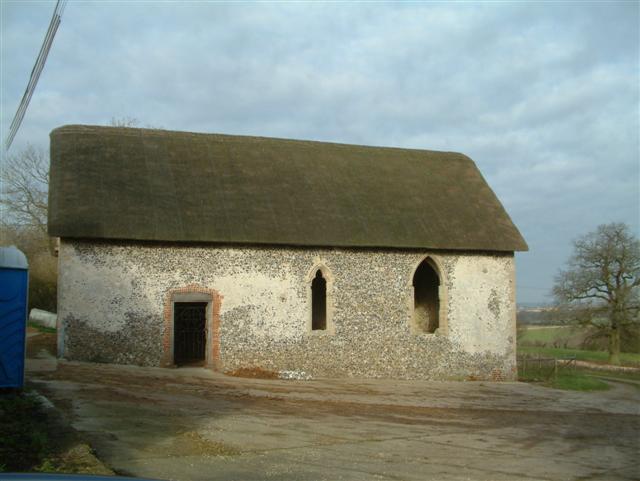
(426, 301)
(319, 302)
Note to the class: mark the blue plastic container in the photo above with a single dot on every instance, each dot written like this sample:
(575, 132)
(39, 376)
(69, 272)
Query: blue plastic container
(14, 287)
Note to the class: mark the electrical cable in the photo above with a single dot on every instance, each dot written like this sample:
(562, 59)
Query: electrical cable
(36, 71)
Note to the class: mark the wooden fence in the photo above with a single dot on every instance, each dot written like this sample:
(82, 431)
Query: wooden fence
(544, 367)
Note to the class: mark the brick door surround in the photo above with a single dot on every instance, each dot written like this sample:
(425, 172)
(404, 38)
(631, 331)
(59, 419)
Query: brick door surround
(200, 293)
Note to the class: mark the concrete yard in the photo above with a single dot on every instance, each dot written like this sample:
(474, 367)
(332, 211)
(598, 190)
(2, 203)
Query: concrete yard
(192, 424)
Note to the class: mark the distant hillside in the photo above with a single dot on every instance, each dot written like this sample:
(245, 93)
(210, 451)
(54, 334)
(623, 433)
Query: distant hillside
(535, 314)
(533, 305)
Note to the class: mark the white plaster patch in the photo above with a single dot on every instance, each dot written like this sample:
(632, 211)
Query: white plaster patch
(103, 292)
(275, 299)
(480, 301)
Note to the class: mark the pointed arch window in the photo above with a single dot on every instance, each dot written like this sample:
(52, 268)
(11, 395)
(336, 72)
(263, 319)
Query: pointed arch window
(426, 288)
(319, 302)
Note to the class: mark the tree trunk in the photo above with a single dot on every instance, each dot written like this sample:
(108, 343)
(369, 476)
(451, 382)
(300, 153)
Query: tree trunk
(614, 346)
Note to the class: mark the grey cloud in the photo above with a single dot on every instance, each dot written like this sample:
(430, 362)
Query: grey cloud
(543, 97)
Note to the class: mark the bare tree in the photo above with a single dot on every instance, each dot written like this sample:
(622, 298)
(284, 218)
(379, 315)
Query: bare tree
(24, 179)
(123, 122)
(24, 185)
(601, 284)
(131, 122)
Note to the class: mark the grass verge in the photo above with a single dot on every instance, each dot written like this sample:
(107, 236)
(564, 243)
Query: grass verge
(47, 330)
(577, 381)
(573, 380)
(24, 436)
(35, 438)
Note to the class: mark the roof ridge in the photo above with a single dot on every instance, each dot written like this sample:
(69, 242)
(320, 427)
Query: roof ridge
(136, 131)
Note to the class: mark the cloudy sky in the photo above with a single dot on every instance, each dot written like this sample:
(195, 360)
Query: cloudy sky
(543, 96)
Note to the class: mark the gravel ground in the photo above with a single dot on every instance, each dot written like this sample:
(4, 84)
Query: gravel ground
(192, 424)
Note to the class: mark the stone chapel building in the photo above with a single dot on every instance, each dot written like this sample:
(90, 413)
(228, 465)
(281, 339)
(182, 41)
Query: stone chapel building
(228, 251)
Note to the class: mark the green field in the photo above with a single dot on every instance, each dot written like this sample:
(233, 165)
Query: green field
(566, 342)
(626, 358)
(548, 334)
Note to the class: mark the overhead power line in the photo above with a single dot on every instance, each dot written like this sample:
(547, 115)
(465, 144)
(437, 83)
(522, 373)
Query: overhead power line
(36, 71)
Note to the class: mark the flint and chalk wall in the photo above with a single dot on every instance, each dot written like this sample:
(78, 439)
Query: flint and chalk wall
(115, 306)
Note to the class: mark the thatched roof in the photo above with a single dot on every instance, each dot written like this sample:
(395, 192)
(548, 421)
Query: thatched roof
(140, 184)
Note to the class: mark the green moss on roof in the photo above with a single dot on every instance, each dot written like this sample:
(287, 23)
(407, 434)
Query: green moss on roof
(140, 184)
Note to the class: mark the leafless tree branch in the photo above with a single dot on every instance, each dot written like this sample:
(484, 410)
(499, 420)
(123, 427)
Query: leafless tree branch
(601, 284)
(24, 181)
